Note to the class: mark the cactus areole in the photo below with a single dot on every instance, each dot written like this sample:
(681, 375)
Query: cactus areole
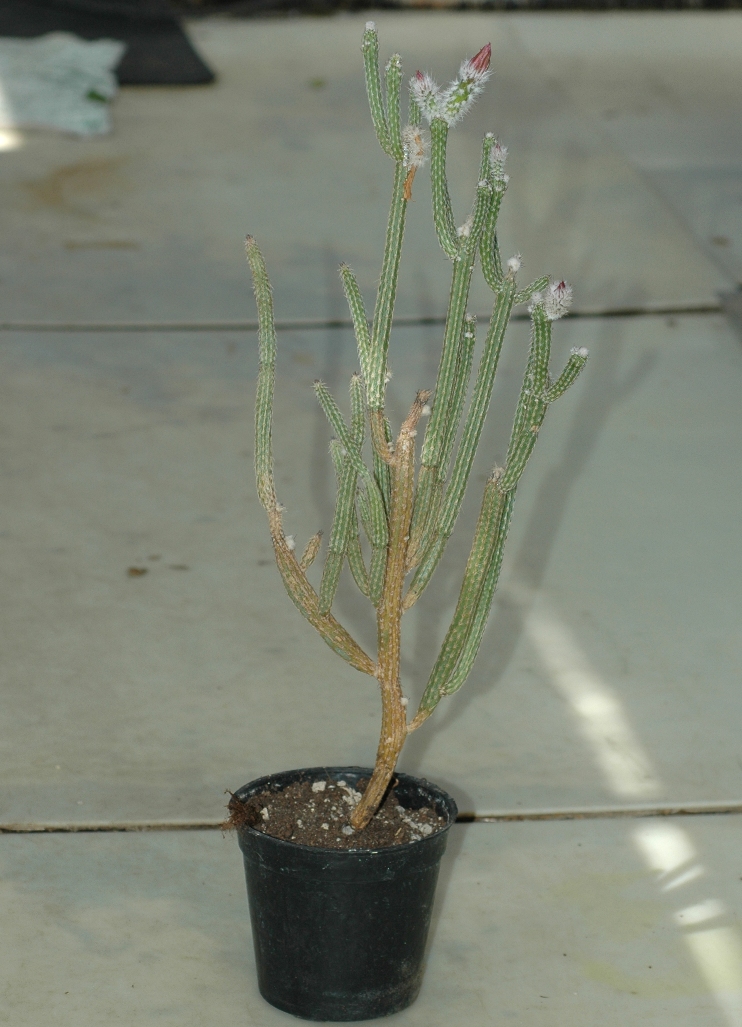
(406, 498)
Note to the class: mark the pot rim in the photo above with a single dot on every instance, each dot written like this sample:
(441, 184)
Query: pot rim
(448, 802)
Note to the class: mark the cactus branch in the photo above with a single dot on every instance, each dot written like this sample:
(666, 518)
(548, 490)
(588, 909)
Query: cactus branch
(266, 375)
(384, 309)
(442, 212)
(471, 434)
(483, 545)
(377, 515)
(355, 557)
(393, 90)
(358, 316)
(525, 294)
(310, 552)
(295, 580)
(389, 618)
(306, 601)
(339, 536)
(479, 621)
(489, 248)
(370, 50)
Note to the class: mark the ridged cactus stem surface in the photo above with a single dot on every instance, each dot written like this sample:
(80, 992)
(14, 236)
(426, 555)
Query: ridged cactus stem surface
(384, 309)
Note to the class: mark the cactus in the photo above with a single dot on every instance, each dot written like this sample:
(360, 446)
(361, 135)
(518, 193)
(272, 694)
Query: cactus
(406, 513)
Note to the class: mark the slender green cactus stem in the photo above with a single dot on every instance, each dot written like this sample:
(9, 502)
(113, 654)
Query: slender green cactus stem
(451, 371)
(370, 50)
(442, 210)
(471, 435)
(481, 615)
(339, 537)
(489, 248)
(408, 518)
(383, 312)
(475, 575)
(393, 89)
(358, 315)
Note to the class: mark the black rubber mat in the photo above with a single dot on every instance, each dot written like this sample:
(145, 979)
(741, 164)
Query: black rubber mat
(158, 52)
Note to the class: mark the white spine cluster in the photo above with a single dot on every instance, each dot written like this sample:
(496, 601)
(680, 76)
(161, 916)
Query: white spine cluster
(416, 146)
(452, 103)
(498, 156)
(426, 95)
(556, 300)
(465, 230)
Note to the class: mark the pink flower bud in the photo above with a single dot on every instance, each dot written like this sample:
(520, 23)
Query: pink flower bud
(480, 62)
(462, 92)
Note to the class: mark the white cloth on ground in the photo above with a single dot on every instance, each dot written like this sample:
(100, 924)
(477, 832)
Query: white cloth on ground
(58, 81)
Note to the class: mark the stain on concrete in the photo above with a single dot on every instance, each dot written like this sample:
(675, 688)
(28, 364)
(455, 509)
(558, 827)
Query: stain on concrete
(74, 188)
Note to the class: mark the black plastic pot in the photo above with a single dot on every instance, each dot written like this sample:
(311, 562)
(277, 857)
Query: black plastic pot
(340, 934)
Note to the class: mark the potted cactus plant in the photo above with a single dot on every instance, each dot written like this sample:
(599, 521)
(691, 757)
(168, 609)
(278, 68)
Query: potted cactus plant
(340, 893)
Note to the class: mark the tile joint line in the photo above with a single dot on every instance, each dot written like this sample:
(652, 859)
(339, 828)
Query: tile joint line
(310, 324)
(499, 816)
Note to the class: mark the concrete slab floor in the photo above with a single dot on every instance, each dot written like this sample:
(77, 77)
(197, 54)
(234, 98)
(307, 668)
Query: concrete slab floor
(148, 223)
(668, 103)
(579, 923)
(609, 673)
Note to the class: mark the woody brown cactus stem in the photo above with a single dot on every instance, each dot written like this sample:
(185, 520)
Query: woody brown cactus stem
(389, 618)
(407, 521)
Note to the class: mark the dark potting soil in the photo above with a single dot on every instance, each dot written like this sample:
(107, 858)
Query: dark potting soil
(318, 813)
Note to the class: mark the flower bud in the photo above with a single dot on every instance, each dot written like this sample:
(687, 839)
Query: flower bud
(463, 91)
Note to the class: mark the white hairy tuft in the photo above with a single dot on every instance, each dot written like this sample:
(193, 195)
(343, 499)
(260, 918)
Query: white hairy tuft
(498, 155)
(515, 263)
(415, 145)
(290, 543)
(370, 26)
(557, 300)
(426, 410)
(427, 95)
(580, 351)
(465, 230)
